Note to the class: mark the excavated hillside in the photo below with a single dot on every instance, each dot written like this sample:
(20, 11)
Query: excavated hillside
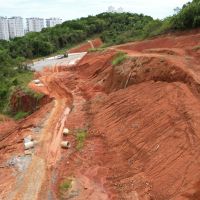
(139, 126)
(86, 46)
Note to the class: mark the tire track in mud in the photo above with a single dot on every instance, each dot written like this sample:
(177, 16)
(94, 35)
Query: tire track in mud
(34, 176)
(29, 186)
(51, 150)
(54, 153)
(32, 181)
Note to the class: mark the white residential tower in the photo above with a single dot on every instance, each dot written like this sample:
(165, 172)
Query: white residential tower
(16, 27)
(4, 33)
(35, 24)
(51, 22)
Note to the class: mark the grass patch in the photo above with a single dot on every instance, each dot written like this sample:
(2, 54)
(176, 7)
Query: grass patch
(80, 139)
(119, 58)
(32, 93)
(65, 185)
(21, 115)
(100, 49)
(23, 78)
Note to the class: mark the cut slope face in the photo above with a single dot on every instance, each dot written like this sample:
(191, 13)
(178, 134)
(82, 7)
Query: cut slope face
(86, 46)
(152, 137)
(144, 135)
(182, 42)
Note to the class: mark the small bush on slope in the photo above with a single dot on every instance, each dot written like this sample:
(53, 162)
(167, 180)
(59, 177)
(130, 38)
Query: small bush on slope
(80, 138)
(119, 58)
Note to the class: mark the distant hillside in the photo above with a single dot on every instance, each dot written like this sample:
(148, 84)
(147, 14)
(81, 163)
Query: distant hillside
(13, 53)
(113, 28)
(108, 25)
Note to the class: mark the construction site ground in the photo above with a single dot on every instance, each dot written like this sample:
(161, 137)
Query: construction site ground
(140, 119)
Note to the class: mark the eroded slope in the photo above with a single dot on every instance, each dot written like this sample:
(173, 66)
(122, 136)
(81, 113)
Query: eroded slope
(141, 119)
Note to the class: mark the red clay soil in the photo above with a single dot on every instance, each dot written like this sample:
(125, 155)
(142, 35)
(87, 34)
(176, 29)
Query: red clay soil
(143, 138)
(142, 123)
(11, 144)
(86, 46)
(20, 101)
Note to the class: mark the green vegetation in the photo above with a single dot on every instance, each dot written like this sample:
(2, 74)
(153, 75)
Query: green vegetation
(21, 115)
(23, 78)
(65, 185)
(80, 138)
(17, 110)
(113, 28)
(119, 58)
(15, 53)
(157, 27)
(11, 79)
(188, 17)
(100, 49)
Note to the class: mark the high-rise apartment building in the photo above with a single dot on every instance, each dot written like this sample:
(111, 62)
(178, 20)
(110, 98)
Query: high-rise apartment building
(35, 24)
(51, 22)
(16, 27)
(4, 33)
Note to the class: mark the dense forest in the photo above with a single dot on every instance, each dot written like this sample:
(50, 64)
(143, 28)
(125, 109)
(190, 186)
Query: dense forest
(113, 28)
(107, 25)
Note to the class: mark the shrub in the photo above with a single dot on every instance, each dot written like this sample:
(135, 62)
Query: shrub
(188, 17)
(100, 49)
(119, 58)
(65, 185)
(80, 138)
(21, 115)
(157, 27)
(151, 28)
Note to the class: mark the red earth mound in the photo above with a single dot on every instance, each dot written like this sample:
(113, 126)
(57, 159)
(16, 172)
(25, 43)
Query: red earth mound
(184, 41)
(143, 137)
(86, 46)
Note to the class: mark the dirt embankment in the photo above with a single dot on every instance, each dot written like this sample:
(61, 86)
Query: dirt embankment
(86, 46)
(144, 134)
(141, 69)
(22, 101)
(142, 123)
(31, 172)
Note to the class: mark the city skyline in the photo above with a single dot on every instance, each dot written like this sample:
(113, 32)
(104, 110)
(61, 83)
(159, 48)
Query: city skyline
(70, 9)
(25, 18)
(15, 27)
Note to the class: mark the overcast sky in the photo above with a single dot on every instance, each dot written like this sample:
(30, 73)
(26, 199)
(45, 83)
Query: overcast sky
(71, 9)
